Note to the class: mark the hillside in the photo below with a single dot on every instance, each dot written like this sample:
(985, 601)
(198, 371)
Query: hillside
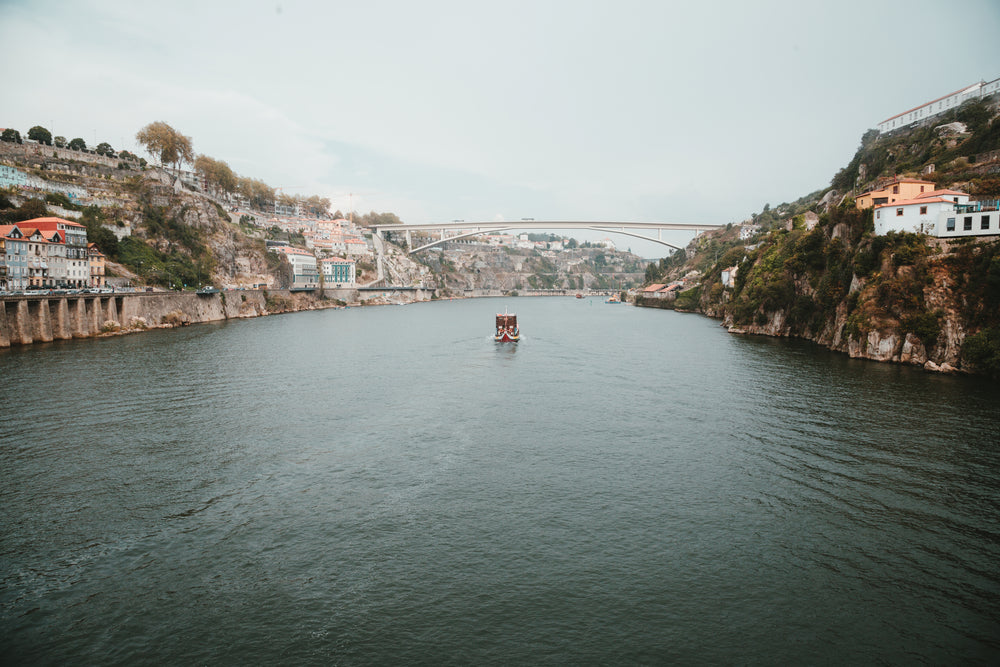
(211, 227)
(818, 271)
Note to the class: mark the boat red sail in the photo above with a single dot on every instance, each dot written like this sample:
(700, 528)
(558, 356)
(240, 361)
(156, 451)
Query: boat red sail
(507, 331)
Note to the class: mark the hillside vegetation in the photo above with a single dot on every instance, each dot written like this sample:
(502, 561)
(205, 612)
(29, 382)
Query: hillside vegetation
(899, 297)
(156, 228)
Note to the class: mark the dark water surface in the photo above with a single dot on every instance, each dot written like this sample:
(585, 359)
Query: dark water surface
(387, 485)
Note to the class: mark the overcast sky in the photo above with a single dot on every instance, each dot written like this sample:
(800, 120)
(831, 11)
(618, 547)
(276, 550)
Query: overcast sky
(664, 111)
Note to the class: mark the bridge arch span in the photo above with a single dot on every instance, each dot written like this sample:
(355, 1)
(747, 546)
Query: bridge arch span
(469, 229)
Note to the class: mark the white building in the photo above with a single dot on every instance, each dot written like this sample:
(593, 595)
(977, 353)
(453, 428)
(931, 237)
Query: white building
(304, 270)
(748, 231)
(338, 272)
(941, 213)
(355, 247)
(729, 276)
(940, 105)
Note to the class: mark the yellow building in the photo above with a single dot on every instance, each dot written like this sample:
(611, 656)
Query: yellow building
(891, 191)
(97, 265)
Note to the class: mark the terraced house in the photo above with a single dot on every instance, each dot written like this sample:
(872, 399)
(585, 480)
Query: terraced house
(338, 272)
(44, 253)
(13, 259)
(893, 190)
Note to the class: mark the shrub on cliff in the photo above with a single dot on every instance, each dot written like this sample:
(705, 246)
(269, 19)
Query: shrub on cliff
(975, 268)
(981, 351)
(688, 299)
(926, 326)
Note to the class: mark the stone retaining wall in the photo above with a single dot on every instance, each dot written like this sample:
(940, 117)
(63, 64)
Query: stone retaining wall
(26, 320)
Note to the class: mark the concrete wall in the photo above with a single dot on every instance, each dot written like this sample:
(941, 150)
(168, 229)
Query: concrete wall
(26, 320)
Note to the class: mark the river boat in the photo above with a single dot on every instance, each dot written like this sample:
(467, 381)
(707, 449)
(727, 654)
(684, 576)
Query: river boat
(579, 296)
(507, 331)
(614, 298)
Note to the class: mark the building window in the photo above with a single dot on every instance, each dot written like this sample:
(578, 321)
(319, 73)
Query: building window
(967, 223)
(984, 223)
(923, 210)
(878, 214)
(895, 189)
(899, 212)
(951, 224)
(921, 188)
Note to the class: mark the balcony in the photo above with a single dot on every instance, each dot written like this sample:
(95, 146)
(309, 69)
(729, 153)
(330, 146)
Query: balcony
(984, 206)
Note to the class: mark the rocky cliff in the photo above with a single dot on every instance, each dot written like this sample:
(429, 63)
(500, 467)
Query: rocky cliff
(815, 269)
(893, 298)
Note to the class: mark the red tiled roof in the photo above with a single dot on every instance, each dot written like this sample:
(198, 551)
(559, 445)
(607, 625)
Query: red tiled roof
(50, 223)
(655, 288)
(925, 104)
(941, 193)
(911, 202)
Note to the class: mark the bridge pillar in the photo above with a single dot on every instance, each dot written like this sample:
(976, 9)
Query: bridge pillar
(93, 322)
(111, 311)
(41, 320)
(409, 241)
(22, 324)
(4, 325)
(60, 324)
(78, 319)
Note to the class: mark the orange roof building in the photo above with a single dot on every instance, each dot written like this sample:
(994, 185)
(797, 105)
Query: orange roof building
(895, 190)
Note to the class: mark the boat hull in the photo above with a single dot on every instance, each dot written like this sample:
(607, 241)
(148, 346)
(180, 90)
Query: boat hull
(506, 330)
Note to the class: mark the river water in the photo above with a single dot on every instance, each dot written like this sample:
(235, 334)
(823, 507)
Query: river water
(388, 485)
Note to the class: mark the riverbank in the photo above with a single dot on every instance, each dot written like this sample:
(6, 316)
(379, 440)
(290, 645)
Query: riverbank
(27, 320)
(889, 347)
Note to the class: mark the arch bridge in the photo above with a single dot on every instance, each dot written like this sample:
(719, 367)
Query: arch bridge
(461, 229)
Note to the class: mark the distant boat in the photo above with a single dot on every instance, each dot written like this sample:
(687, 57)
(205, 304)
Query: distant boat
(579, 296)
(507, 331)
(614, 298)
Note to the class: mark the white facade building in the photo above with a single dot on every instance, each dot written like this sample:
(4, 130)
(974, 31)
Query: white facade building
(355, 247)
(942, 213)
(339, 272)
(940, 105)
(305, 273)
(729, 276)
(748, 231)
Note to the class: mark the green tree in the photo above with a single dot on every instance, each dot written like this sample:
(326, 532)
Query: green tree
(11, 136)
(104, 148)
(78, 144)
(41, 135)
(166, 144)
(981, 351)
(59, 141)
(29, 210)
